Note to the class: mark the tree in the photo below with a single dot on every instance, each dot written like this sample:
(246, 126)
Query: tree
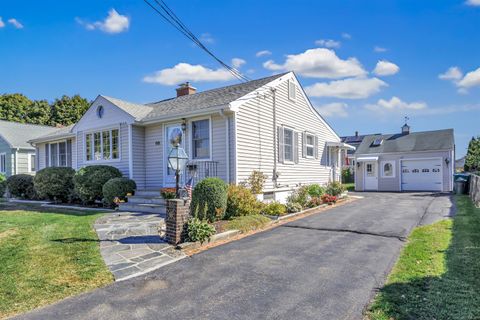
(68, 110)
(38, 112)
(13, 107)
(472, 159)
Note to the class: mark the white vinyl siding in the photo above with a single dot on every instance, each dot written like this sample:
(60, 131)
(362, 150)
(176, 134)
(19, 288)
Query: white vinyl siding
(139, 152)
(255, 134)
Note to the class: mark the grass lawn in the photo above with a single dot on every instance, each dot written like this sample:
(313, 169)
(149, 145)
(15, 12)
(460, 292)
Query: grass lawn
(46, 255)
(438, 273)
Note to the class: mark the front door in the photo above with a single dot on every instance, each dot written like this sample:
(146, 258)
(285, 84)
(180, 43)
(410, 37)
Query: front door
(371, 175)
(170, 131)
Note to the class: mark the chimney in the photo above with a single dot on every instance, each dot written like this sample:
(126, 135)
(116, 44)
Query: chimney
(185, 89)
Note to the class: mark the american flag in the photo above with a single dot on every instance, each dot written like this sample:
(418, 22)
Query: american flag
(189, 187)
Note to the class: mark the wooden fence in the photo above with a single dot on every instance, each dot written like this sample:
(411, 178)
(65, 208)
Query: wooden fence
(475, 189)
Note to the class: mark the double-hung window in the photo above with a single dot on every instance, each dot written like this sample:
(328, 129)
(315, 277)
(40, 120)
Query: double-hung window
(59, 154)
(288, 144)
(201, 139)
(309, 145)
(31, 163)
(102, 145)
(3, 162)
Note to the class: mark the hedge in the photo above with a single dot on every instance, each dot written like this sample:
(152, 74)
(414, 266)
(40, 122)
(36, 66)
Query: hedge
(89, 181)
(55, 183)
(21, 186)
(209, 199)
(117, 187)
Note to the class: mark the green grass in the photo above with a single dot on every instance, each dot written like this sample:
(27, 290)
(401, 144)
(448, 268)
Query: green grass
(46, 256)
(438, 273)
(349, 186)
(247, 223)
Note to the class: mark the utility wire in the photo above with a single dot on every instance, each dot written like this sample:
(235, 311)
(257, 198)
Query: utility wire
(168, 15)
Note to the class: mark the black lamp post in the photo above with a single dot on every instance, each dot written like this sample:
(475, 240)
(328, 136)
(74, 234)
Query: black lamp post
(177, 160)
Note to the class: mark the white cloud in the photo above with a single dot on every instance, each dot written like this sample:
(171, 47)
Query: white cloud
(319, 63)
(113, 23)
(379, 49)
(328, 43)
(186, 72)
(385, 68)
(352, 88)
(2, 24)
(237, 62)
(206, 38)
(473, 2)
(263, 53)
(15, 23)
(335, 109)
(453, 73)
(463, 83)
(346, 36)
(395, 104)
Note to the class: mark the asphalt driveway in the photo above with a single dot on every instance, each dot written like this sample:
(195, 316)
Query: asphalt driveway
(325, 266)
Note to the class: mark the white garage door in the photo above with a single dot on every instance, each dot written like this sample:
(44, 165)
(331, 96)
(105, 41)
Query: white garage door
(422, 175)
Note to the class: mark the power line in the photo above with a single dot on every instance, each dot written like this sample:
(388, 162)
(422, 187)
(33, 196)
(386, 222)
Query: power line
(168, 15)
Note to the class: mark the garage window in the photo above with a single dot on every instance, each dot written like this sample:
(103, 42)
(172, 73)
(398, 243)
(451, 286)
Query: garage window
(388, 169)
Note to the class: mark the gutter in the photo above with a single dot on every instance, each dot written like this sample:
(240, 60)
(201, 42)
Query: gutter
(210, 110)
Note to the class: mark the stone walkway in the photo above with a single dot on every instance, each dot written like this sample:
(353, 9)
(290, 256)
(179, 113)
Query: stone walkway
(132, 243)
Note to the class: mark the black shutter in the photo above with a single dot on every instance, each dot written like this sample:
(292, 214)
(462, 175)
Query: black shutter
(281, 153)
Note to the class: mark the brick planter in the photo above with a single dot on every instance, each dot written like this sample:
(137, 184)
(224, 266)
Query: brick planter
(178, 212)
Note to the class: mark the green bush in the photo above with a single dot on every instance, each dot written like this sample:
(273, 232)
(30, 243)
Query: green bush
(293, 207)
(315, 190)
(241, 202)
(21, 186)
(300, 196)
(117, 187)
(315, 201)
(255, 181)
(54, 183)
(347, 176)
(274, 209)
(89, 181)
(335, 189)
(248, 223)
(198, 230)
(3, 184)
(209, 199)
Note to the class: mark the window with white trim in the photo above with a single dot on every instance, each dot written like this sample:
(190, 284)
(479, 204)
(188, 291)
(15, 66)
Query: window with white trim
(102, 145)
(310, 145)
(288, 144)
(388, 169)
(58, 154)
(292, 92)
(201, 139)
(3, 162)
(31, 163)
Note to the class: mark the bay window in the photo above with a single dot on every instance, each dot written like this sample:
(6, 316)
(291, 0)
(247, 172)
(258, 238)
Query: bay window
(201, 139)
(102, 145)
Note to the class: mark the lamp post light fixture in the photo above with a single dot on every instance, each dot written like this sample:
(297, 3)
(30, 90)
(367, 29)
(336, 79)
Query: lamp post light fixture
(177, 160)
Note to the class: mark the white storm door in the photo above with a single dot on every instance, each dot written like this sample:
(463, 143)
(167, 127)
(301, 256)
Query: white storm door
(169, 174)
(371, 175)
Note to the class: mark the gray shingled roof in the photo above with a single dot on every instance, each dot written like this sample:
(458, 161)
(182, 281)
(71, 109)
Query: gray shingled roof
(415, 141)
(58, 133)
(17, 134)
(138, 111)
(206, 99)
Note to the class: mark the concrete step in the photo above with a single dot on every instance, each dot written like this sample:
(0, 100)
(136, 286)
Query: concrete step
(148, 193)
(143, 207)
(146, 199)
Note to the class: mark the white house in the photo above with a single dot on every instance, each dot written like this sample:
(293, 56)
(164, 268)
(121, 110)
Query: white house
(267, 124)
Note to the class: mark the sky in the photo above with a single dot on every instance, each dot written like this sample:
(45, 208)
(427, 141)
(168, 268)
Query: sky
(365, 65)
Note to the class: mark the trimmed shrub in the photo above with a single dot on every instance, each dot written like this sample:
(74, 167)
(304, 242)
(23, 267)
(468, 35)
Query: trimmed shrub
(89, 181)
(21, 186)
(209, 199)
(54, 183)
(117, 188)
(241, 202)
(293, 207)
(335, 188)
(3, 184)
(274, 209)
(315, 190)
(300, 196)
(198, 230)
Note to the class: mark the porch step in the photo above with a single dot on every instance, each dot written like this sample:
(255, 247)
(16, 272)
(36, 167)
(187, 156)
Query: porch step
(143, 207)
(148, 193)
(146, 200)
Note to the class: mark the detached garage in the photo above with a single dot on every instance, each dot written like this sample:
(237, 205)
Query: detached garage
(407, 161)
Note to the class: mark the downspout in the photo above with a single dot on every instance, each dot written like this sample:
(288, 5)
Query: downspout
(130, 151)
(227, 143)
(275, 176)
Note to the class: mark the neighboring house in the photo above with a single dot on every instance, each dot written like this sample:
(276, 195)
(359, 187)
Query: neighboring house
(408, 161)
(266, 124)
(348, 155)
(460, 164)
(16, 154)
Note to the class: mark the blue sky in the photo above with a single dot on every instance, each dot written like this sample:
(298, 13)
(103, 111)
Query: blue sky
(428, 52)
